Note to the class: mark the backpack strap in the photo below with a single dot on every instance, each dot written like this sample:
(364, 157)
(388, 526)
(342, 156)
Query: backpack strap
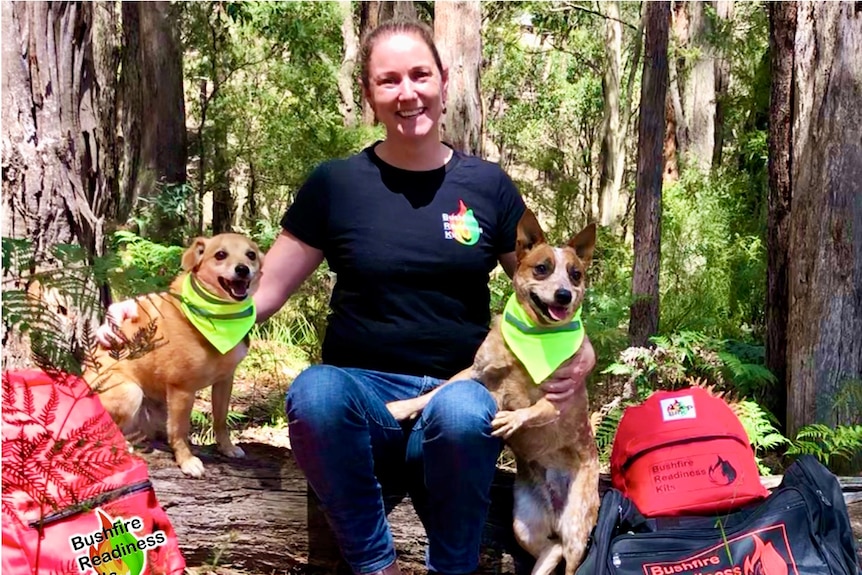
(822, 492)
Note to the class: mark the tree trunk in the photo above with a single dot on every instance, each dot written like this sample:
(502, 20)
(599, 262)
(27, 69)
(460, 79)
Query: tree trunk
(368, 20)
(782, 32)
(59, 158)
(348, 63)
(154, 108)
(613, 152)
(647, 226)
(396, 10)
(824, 347)
(456, 33)
(698, 94)
(724, 13)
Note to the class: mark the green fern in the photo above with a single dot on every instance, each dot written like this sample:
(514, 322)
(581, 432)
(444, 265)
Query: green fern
(843, 442)
(759, 425)
(607, 430)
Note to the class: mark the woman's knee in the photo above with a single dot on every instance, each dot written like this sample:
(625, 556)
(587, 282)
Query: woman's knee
(461, 408)
(318, 393)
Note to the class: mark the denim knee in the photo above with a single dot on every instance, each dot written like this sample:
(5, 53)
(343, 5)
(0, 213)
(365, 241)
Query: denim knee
(319, 395)
(460, 411)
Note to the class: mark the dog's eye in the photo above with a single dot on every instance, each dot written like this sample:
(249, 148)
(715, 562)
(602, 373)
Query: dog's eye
(575, 274)
(541, 269)
(251, 255)
(220, 255)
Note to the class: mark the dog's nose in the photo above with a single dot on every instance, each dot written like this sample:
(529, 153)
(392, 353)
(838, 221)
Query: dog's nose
(242, 270)
(563, 296)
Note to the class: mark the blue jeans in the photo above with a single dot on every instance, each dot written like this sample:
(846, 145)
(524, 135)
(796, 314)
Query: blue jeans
(349, 446)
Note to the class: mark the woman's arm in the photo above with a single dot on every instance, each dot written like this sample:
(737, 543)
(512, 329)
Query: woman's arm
(286, 265)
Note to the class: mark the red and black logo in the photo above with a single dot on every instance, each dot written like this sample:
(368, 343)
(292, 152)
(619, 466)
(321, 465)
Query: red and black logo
(722, 472)
(761, 552)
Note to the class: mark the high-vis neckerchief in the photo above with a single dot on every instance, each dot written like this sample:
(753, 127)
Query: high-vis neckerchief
(223, 323)
(542, 349)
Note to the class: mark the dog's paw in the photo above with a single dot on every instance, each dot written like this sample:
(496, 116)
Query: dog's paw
(506, 423)
(193, 467)
(231, 450)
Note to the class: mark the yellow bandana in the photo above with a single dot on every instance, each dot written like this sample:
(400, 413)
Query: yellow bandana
(223, 323)
(542, 349)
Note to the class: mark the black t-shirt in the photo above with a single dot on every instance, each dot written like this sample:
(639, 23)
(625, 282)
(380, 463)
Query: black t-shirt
(412, 252)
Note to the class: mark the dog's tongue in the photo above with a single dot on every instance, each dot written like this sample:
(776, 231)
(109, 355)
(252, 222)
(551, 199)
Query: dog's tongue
(239, 287)
(557, 312)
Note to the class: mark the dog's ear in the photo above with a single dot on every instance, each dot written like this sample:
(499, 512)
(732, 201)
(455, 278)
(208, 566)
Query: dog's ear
(192, 256)
(584, 243)
(530, 234)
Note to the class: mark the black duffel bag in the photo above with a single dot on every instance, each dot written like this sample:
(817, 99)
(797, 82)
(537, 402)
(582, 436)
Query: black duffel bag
(802, 528)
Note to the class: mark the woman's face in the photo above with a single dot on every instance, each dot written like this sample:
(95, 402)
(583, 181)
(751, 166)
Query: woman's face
(405, 87)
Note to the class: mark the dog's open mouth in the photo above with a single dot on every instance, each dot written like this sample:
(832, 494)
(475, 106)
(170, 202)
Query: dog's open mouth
(551, 312)
(237, 289)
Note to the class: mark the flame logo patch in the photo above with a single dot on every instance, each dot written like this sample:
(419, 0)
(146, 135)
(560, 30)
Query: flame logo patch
(722, 473)
(765, 560)
(113, 548)
(761, 552)
(462, 226)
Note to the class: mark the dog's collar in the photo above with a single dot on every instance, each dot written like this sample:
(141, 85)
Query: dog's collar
(223, 323)
(542, 349)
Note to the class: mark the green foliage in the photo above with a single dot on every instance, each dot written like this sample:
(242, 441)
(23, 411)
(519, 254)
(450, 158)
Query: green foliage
(144, 266)
(163, 216)
(828, 445)
(202, 430)
(713, 265)
(686, 358)
(759, 425)
(607, 430)
(45, 287)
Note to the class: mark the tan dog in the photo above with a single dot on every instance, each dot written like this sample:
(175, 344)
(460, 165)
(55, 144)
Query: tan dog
(556, 490)
(220, 275)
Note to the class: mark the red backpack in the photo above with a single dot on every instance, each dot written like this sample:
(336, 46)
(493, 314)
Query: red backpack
(75, 501)
(684, 453)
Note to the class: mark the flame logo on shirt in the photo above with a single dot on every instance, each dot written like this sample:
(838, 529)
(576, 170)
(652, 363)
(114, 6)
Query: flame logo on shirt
(764, 560)
(131, 559)
(462, 226)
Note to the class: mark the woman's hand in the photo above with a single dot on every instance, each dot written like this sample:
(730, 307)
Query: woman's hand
(570, 377)
(108, 334)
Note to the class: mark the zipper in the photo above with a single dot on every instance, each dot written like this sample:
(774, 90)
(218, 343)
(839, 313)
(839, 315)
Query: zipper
(628, 463)
(698, 534)
(91, 503)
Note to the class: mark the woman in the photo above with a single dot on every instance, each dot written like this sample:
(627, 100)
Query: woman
(412, 229)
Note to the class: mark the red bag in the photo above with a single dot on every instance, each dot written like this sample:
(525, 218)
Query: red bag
(684, 453)
(75, 501)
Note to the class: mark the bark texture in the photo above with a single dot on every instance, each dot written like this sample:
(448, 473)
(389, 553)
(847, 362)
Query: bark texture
(348, 63)
(456, 32)
(698, 90)
(614, 124)
(724, 12)
(59, 153)
(155, 154)
(824, 346)
(647, 226)
(782, 32)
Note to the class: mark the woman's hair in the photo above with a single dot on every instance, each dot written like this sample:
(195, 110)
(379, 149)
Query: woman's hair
(391, 28)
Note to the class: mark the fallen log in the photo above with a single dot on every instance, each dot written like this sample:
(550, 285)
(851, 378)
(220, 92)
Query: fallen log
(254, 515)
